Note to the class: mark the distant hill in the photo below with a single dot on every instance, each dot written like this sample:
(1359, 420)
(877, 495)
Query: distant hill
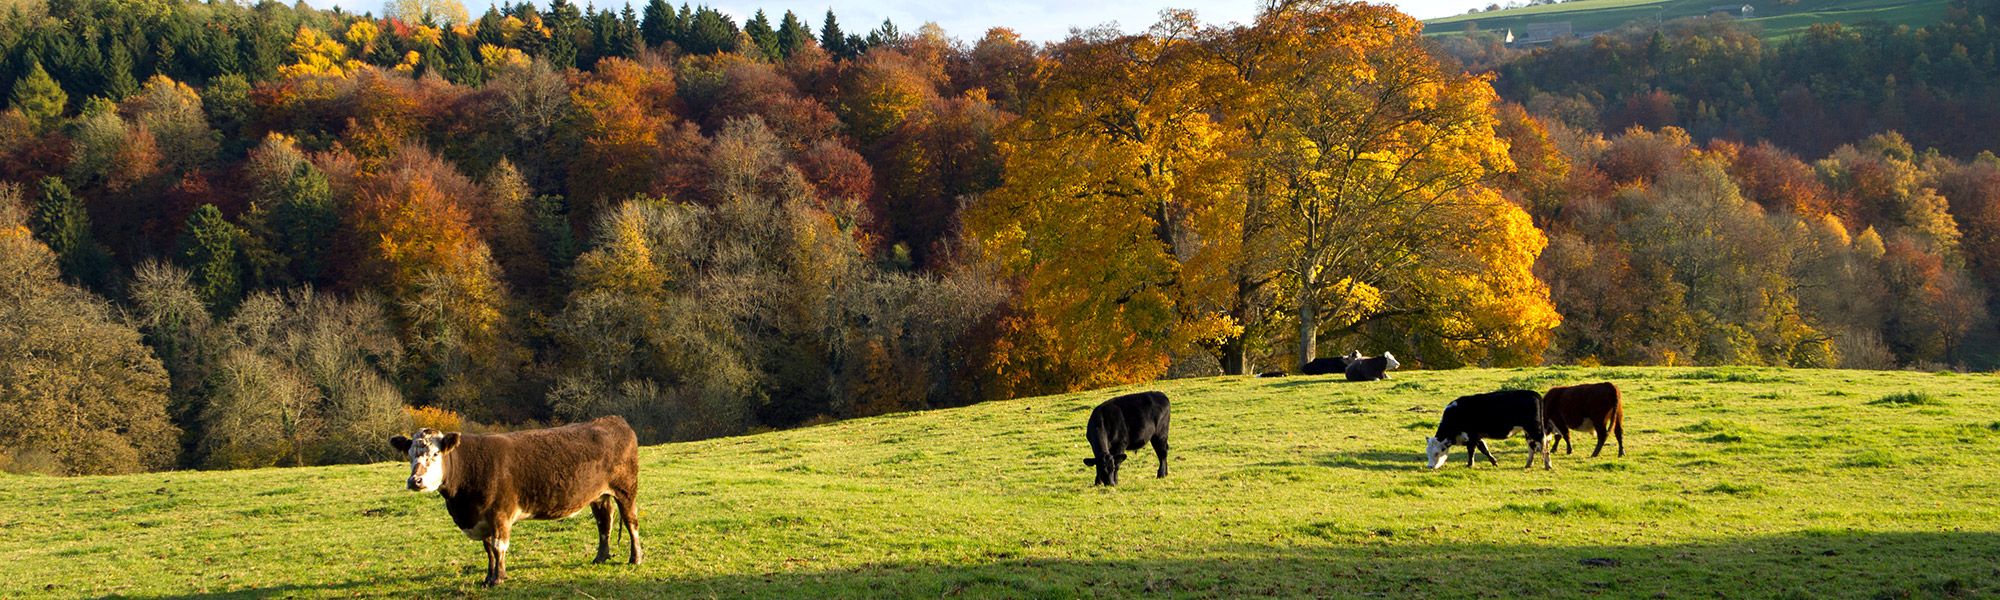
(1777, 21)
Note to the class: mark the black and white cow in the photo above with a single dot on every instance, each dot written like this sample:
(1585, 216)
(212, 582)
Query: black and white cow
(1371, 368)
(1329, 365)
(1127, 422)
(1471, 420)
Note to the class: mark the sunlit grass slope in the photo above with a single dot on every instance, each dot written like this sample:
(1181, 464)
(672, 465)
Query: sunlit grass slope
(1739, 483)
(1775, 21)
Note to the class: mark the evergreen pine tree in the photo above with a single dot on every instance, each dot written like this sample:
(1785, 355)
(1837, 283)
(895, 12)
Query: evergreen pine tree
(711, 32)
(208, 249)
(830, 37)
(304, 220)
(792, 35)
(563, 21)
(61, 222)
(658, 26)
(39, 97)
(759, 30)
(118, 81)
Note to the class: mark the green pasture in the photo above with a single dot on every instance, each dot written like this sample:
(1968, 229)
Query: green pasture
(1738, 483)
(1775, 21)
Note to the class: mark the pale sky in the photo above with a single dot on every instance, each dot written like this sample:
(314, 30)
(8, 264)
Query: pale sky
(1038, 20)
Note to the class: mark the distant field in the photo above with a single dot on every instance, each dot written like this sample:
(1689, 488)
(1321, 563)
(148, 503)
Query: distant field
(1775, 21)
(1740, 483)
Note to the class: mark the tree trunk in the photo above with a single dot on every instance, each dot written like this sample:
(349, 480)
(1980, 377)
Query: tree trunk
(1308, 319)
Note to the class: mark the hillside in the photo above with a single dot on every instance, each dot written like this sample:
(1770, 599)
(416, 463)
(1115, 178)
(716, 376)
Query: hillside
(1775, 21)
(1762, 482)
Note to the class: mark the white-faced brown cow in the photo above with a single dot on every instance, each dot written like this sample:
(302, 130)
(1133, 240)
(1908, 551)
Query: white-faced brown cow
(491, 481)
(1593, 406)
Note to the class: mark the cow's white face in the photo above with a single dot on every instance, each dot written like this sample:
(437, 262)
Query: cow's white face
(1353, 356)
(426, 453)
(1436, 450)
(1392, 361)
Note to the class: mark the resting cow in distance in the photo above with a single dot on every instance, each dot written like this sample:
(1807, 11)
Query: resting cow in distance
(1124, 423)
(1372, 368)
(1471, 420)
(1329, 365)
(1593, 406)
(491, 481)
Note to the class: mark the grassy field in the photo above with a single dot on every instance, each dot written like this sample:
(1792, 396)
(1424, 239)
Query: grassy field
(1776, 22)
(1739, 483)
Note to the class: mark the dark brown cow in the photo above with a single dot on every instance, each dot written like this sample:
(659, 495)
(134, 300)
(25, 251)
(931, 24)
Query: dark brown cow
(1595, 406)
(491, 481)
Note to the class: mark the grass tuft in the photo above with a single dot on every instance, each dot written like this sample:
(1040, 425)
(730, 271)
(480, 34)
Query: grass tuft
(1565, 508)
(1736, 490)
(1873, 458)
(1539, 382)
(1908, 399)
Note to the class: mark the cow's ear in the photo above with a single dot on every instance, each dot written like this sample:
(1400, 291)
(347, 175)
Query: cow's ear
(450, 441)
(1120, 457)
(1090, 462)
(400, 443)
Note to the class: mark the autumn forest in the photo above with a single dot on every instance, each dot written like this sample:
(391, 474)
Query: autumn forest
(239, 235)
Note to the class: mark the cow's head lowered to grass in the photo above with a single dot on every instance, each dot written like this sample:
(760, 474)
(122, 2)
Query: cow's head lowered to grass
(1437, 450)
(426, 454)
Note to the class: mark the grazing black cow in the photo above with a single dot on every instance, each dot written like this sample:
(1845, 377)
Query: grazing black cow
(491, 481)
(1271, 374)
(1595, 406)
(1329, 365)
(1371, 368)
(1471, 420)
(1127, 422)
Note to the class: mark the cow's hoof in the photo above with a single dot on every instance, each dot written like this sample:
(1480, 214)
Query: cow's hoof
(601, 559)
(489, 583)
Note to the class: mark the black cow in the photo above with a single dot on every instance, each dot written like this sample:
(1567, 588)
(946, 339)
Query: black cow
(1471, 420)
(1329, 365)
(1371, 368)
(1271, 374)
(1127, 422)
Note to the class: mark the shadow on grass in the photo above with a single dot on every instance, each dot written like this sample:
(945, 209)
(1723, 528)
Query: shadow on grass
(1374, 460)
(1336, 560)
(1305, 380)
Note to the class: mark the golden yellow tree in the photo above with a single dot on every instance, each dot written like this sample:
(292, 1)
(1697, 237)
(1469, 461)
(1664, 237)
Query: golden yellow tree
(318, 54)
(1118, 215)
(1380, 154)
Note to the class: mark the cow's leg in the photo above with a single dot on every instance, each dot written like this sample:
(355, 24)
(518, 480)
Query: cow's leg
(492, 562)
(628, 513)
(497, 571)
(494, 565)
(1562, 429)
(1488, 453)
(600, 510)
(1160, 448)
(1618, 428)
(1603, 434)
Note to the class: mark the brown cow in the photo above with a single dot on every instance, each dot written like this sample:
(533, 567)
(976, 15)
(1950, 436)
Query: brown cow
(1592, 405)
(491, 481)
